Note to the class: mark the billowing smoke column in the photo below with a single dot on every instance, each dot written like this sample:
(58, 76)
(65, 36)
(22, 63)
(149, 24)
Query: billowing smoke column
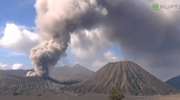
(56, 20)
(45, 56)
(133, 24)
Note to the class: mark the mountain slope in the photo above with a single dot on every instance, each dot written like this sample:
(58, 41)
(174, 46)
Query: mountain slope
(13, 85)
(175, 82)
(126, 76)
(20, 73)
(77, 72)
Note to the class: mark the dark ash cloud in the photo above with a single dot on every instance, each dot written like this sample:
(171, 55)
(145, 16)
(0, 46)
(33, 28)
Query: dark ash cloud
(146, 36)
(151, 38)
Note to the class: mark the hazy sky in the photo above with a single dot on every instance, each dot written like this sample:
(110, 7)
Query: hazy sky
(134, 30)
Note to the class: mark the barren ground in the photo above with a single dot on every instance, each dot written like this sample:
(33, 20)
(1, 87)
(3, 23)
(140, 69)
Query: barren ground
(88, 97)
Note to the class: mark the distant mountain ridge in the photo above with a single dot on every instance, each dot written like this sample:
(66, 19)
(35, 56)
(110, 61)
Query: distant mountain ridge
(127, 77)
(76, 72)
(15, 82)
(20, 73)
(175, 82)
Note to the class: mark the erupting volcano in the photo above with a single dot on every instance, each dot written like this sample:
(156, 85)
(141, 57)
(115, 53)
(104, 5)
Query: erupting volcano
(56, 20)
(44, 57)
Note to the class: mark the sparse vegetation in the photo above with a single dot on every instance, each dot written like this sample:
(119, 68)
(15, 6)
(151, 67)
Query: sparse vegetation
(116, 94)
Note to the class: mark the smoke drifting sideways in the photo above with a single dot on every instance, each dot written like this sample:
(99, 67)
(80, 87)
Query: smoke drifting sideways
(56, 20)
(144, 34)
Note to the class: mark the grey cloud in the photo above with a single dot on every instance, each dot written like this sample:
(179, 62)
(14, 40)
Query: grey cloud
(146, 36)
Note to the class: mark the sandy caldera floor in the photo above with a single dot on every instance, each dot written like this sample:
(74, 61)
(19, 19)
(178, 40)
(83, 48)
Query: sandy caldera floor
(88, 97)
(168, 97)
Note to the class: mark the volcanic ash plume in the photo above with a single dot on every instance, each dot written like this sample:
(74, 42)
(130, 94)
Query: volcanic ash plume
(56, 19)
(45, 56)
